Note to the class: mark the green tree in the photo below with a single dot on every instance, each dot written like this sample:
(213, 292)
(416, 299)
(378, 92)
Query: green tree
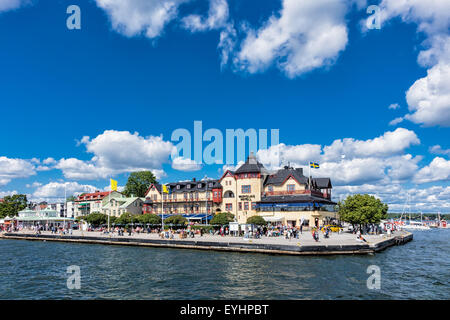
(11, 205)
(127, 217)
(71, 198)
(149, 218)
(176, 219)
(96, 218)
(258, 220)
(362, 209)
(138, 183)
(222, 218)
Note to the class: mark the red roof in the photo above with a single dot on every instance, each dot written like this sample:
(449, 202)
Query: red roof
(93, 196)
(1, 200)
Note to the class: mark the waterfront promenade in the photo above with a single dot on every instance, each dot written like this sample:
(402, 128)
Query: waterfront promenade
(344, 243)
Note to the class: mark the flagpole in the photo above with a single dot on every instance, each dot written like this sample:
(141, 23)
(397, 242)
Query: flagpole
(109, 202)
(162, 207)
(309, 178)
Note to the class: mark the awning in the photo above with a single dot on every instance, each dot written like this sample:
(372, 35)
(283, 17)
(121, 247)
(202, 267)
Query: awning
(272, 219)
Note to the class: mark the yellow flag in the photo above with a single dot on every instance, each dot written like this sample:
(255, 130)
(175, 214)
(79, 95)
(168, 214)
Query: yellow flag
(165, 190)
(113, 185)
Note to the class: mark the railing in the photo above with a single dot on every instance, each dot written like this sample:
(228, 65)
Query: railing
(283, 193)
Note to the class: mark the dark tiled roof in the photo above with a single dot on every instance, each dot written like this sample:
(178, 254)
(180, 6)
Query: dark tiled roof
(194, 186)
(251, 165)
(295, 198)
(322, 183)
(281, 175)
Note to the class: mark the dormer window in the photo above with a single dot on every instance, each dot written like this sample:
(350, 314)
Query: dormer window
(210, 184)
(188, 186)
(199, 185)
(178, 186)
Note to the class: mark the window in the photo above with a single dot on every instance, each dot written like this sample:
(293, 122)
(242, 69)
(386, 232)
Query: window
(253, 205)
(290, 187)
(229, 207)
(196, 195)
(246, 189)
(215, 194)
(210, 185)
(240, 205)
(270, 188)
(178, 186)
(245, 205)
(188, 186)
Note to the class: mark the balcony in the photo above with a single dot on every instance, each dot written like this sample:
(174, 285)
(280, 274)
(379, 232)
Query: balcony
(310, 192)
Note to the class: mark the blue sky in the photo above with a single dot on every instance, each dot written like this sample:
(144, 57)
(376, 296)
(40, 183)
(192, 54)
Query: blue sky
(125, 82)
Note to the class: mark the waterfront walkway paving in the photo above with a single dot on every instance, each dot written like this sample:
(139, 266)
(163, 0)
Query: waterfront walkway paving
(305, 239)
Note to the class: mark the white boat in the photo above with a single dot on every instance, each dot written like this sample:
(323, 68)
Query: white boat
(411, 224)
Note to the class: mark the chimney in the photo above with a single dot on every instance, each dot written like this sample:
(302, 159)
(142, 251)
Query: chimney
(193, 179)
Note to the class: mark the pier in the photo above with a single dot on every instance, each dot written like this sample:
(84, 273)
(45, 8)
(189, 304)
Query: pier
(305, 245)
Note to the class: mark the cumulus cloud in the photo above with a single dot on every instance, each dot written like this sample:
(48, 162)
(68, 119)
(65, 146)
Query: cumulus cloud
(437, 170)
(57, 190)
(140, 17)
(184, 164)
(7, 193)
(352, 161)
(303, 36)
(429, 97)
(431, 199)
(15, 168)
(118, 152)
(217, 17)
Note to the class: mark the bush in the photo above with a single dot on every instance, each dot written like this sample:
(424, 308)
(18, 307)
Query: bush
(149, 219)
(126, 218)
(257, 220)
(176, 219)
(222, 218)
(96, 218)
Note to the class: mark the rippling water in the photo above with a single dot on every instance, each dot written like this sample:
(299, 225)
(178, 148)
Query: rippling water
(37, 270)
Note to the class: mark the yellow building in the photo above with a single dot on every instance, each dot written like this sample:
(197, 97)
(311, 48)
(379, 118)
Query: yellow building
(285, 196)
(195, 200)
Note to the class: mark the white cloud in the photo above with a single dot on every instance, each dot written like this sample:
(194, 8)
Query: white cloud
(118, 152)
(352, 161)
(15, 168)
(437, 149)
(58, 190)
(437, 170)
(390, 143)
(7, 193)
(217, 17)
(431, 199)
(183, 164)
(396, 121)
(6, 5)
(231, 167)
(429, 97)
(137, 17)
(305, 35)
(394, 106)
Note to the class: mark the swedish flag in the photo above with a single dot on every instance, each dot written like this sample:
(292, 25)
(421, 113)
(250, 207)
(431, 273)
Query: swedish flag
(314, 165)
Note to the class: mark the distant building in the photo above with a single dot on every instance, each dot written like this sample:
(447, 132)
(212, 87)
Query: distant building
(195, 200)
(93, 202)
(115, 206)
